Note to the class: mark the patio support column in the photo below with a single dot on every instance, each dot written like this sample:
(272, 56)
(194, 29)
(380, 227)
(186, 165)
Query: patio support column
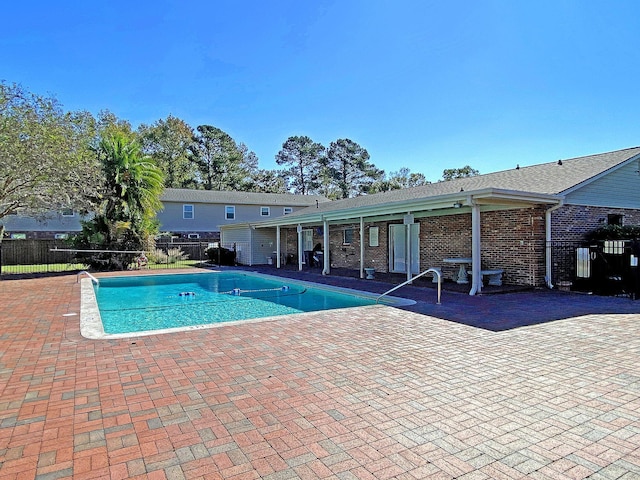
(361, 247)
(278, 265)
(326, 268)
(300, 252)
(476, 276)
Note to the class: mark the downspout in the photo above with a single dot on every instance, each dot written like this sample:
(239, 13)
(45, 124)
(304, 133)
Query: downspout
(326, 270)
(278, 263)
(361, 247)
(476, 276)
(300, 252)
(548, 232)
(407, 260)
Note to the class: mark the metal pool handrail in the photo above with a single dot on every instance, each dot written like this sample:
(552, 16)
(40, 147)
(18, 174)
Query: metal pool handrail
(429, 270)
(93, 279)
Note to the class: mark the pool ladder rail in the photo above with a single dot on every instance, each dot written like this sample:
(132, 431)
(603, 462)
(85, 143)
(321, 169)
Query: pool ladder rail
(435, 271)
(93, 279)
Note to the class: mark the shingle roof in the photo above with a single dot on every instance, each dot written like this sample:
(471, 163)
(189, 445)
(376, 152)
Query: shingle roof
(239, 198)
(546, 178)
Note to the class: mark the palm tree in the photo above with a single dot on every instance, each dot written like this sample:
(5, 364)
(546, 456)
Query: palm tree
(129, 199)
(133, 184)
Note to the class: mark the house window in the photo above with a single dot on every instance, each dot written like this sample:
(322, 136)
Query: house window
(19, 236)
(230, 212)
(67, 212)
(265, 211)
(374, 237)
(347, 236)
(61, 236)
(187, 212)
(194, 235)
(288, 210)
(614, 219)
(307, 240)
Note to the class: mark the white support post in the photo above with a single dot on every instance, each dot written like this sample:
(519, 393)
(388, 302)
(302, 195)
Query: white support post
(476, 280)
(361, 247)
(326, 268)
(300, 252)
(278, 263)
(408, 253)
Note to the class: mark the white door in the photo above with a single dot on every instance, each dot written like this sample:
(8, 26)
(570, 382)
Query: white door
(398, 248)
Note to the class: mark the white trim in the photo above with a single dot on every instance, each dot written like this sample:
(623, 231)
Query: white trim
(184, 211)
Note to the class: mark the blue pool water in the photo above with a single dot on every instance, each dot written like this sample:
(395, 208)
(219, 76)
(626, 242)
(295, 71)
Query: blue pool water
(154, 302)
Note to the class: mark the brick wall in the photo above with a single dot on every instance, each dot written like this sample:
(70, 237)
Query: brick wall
(571, 222)
(512, 240)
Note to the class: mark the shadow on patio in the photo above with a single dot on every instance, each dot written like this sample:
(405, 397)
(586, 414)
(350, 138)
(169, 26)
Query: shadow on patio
(497, 309)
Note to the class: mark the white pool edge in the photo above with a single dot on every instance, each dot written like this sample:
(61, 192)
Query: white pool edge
(91, 322)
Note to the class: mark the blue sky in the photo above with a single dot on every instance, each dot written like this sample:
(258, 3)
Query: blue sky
(421, 84)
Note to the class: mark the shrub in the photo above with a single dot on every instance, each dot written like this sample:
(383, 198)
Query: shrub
(614, 232)
(173, 255)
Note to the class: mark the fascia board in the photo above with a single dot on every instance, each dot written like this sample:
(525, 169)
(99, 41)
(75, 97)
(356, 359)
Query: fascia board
(431, 203)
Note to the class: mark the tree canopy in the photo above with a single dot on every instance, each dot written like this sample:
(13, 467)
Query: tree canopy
(302, 159)
(167, 142)
(349, 169)
(45, 160)
(219, 160)
(453, 173)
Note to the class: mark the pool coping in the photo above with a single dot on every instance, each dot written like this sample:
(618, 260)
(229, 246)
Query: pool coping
(91, 326)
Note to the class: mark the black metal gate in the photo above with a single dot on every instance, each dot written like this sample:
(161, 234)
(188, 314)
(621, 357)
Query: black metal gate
(608, 267)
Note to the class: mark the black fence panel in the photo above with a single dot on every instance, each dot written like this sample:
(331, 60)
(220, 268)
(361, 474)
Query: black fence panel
(608, 267)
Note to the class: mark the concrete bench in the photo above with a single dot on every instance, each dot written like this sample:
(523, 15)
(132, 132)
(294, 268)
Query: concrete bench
(494, 276)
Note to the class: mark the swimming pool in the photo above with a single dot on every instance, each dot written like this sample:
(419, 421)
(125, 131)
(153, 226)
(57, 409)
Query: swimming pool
(140, 305)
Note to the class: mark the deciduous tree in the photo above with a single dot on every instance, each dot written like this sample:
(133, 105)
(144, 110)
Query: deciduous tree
(45, 160)
(167, 142)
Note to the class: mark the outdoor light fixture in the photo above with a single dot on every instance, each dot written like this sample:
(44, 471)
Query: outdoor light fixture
(457, 205)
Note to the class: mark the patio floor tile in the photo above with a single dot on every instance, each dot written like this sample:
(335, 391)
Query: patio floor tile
(550, 391)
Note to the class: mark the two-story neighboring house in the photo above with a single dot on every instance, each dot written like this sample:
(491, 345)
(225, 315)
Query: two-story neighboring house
(201, 213)
(58, 225)
(186, 214)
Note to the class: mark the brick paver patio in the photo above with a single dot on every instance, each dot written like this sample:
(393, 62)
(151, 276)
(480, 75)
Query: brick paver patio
(370, 393)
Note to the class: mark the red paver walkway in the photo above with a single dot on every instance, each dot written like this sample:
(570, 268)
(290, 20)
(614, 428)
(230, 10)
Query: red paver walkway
(373, 392)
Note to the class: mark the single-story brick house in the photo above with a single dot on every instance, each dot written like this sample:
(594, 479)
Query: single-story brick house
(499, 221)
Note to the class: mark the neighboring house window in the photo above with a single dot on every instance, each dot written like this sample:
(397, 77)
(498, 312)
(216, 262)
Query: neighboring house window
(187, 212)
(614, 219)
(347, 238)
(19, 236)
(61, 236)
(374, 237)
(307, 240)
(67, 212)
(230, 212)
(194, 235)
(265, 211)
(288, 210)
